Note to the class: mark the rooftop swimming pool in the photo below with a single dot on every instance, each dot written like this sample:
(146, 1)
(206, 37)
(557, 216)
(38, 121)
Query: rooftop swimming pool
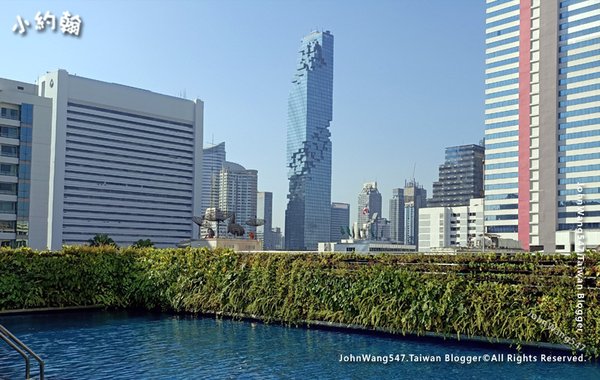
(123, 345)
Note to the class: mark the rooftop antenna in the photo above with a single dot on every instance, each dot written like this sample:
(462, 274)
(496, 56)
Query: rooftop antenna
(414, 168)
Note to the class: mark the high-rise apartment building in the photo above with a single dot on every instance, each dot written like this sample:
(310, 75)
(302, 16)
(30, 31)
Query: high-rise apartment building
(460, 177)
(369, 204)
(340, 221)
(24, 136)
(237, 194)
(119, 160)
(415, 197)
(307, 217)
(542, 120)
(230, 187)
(264, 210)
(397, 215)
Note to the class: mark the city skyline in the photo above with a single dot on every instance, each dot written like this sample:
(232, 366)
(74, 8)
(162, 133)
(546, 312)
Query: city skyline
(177, 176)
(368, 91)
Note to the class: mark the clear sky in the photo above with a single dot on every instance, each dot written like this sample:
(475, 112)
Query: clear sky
(408, 75)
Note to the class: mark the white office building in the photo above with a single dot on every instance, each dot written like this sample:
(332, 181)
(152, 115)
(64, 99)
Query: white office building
(120, 160)
(451, 227)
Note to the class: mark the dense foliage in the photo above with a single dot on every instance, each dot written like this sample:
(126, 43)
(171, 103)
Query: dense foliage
(101, 239)
(466, 295)
(143, 243)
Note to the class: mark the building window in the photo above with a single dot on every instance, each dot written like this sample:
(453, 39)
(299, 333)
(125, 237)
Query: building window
(9, 132)
(8, 188)
(9, 150)
(9, 113)
(8, 169)
(7, 207)
(7, 226)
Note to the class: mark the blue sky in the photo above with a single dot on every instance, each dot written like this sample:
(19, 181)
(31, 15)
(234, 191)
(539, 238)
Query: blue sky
(408, 75)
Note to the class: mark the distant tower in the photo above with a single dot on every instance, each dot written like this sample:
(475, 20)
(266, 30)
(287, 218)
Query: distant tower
(307, 217)
(237, 193)
(340, 219)
(415, 197)
(461, 177)
(264, 210)
(397, 215)
(369, 203)
(212, 162)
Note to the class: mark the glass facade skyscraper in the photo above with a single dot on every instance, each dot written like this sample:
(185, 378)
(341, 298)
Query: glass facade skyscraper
(340, 221)
(542, 120)
(397, 215)
(307, 217)
(415, 198)
(264, 210)
(461, 177)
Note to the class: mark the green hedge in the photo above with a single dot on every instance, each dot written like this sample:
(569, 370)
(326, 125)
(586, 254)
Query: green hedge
(466, 295)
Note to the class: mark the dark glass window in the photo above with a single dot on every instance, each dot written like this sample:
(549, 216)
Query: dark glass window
(8, 188)
(7, 207)
(8, 169)
(9, 150)
(9, 132)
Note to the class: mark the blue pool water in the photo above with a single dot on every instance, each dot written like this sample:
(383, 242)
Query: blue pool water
(121, 345)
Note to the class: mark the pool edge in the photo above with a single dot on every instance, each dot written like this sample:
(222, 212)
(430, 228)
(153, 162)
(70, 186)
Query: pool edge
(50, 310)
